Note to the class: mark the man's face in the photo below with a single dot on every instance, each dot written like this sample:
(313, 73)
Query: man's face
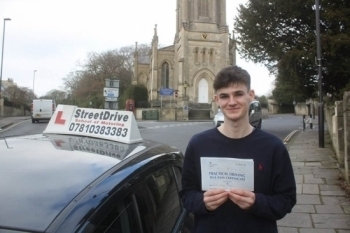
(234, 101)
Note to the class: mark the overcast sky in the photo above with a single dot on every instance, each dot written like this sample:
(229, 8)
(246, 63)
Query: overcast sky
(52, 36)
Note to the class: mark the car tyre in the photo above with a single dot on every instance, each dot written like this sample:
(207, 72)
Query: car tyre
(33, 121)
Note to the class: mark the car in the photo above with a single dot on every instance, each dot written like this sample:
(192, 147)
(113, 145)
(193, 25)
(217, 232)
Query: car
(42, 109)
(90, 171)
(255, 115)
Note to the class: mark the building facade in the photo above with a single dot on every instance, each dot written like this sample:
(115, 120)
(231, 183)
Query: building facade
(202, 47)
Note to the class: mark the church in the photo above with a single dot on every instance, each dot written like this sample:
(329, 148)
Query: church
(202, 47)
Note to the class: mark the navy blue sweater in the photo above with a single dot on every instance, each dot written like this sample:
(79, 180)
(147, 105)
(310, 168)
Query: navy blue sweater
(274, 183)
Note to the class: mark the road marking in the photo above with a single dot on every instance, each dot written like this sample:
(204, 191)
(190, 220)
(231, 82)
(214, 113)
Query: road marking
(289, 136)
(172, 125)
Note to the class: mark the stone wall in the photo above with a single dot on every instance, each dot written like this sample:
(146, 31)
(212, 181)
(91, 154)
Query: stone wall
(12, 112)
(165, 114)
(346, 122)
(337, 118)
(310, 107)
(300, 109)
(335, 125)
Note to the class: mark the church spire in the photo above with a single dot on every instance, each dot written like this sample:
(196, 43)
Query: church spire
(155, 36)
(155, 44)
(232, 49)
(136, 63)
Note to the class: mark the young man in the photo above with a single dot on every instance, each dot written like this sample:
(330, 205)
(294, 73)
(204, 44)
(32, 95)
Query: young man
(233, 209)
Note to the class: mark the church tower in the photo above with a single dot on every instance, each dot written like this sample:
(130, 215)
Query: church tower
(201, 47)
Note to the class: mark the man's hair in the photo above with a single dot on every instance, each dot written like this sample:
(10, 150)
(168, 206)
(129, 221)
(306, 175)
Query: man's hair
(231, 75)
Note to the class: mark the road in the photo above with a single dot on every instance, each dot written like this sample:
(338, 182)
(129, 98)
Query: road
(177, 134)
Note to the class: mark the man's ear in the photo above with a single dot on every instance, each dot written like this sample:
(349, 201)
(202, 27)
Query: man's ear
(252, 95)
(216, 98)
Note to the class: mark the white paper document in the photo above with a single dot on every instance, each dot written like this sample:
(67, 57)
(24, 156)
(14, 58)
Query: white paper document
(227, 173)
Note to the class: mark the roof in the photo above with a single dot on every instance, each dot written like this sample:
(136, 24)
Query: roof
(168, 48)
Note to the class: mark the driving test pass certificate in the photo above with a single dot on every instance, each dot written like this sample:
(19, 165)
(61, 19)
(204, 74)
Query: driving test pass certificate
(227, 173)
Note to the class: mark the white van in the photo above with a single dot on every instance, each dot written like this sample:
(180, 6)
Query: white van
(42, 109)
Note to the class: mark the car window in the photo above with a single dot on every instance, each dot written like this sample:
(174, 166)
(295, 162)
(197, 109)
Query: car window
(257, 107)
(121, 219)
(251, 107)
(158, 201)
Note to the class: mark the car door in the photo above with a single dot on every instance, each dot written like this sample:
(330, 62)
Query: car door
(151, 205)
(159, 202)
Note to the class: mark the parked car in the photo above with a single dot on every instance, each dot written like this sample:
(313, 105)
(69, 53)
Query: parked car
(255, 115)
(90, 171)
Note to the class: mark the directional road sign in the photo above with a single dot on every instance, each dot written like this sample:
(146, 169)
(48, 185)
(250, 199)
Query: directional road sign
(111, 99)
(110, 92)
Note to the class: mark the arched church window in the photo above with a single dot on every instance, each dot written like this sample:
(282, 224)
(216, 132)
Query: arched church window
(196, 51)
(143, 79)
(211, 56)
(165, 75)
(203, 8)
(204, 50)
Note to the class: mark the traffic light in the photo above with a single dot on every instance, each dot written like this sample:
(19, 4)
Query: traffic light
(175, 93)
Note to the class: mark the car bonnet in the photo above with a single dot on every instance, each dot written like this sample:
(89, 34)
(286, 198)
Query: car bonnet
(41, 175)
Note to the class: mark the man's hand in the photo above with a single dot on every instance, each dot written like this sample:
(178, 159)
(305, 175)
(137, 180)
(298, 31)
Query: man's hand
(243, 198)
(213, 198)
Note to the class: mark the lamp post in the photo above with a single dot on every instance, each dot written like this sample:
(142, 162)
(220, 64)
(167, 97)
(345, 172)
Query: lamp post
(320, 104)
(2, 55)
(185, 87)
(34, 80)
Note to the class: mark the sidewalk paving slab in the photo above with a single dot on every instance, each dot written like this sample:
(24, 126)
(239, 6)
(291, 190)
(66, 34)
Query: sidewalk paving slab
(322, 206)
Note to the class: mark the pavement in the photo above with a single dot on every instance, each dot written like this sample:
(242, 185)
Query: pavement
(322, 206)
(6, 122)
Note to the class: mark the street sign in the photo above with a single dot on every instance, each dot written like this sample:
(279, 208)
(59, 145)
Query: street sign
(111, 99)
(166, 91)
(110, 92)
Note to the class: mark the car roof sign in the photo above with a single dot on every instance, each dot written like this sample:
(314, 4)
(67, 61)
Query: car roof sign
(114, 125)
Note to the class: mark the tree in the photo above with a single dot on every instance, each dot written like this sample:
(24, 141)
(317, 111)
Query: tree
(59, 96)
(263, 101)
(281, 35)
(86, 85)
(138, 93)
(19, 95)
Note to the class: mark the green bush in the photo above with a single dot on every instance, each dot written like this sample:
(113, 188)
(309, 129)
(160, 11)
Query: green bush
(138, 93)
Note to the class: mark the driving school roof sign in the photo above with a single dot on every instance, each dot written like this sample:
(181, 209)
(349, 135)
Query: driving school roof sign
(107, 124)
